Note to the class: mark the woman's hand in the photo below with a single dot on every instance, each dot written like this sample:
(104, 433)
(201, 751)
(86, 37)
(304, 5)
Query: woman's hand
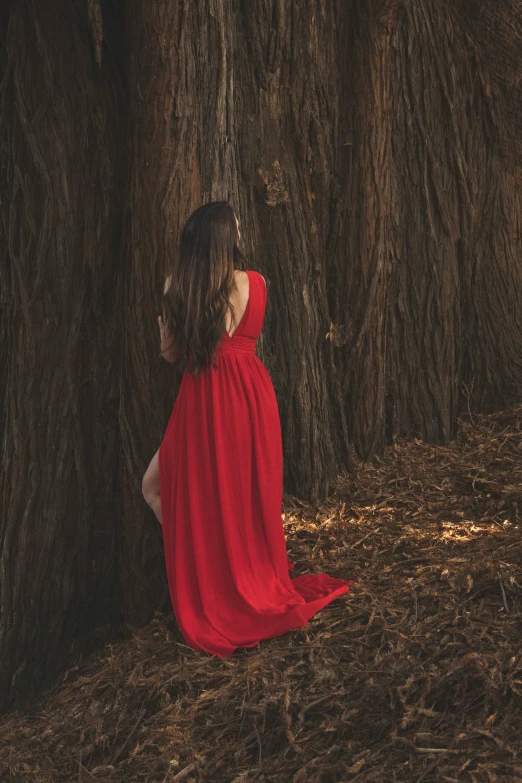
(162, 329)
(167, 346)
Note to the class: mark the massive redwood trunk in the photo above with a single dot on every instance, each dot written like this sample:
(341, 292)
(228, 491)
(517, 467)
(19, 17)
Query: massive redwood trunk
(59, 345)
(371, 151)
(427, 244)
(455, 286)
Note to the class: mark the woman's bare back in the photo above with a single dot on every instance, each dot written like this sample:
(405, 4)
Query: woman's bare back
(238, 299)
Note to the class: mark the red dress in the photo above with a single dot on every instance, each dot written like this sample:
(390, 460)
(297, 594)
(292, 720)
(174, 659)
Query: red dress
(221, 473)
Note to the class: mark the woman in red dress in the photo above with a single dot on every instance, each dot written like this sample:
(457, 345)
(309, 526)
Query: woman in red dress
(216, 481)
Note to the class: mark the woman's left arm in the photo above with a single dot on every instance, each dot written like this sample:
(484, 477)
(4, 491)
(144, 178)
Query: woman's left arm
(168, 349)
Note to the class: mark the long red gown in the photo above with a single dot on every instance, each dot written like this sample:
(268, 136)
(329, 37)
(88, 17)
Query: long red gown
(221, 472)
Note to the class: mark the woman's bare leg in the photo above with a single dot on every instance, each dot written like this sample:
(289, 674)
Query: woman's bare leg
(150, 486)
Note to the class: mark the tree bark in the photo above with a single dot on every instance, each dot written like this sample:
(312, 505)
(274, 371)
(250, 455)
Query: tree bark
(454, 334)
(287, 140)
(59, 493)
(427, 308)
(363, 250)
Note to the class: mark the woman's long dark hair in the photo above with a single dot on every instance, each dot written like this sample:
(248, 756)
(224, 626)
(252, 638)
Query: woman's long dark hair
(197, 300)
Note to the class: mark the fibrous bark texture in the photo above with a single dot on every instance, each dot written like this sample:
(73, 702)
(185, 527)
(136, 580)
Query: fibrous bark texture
(371, 151)
(59, 378)
(427, 287)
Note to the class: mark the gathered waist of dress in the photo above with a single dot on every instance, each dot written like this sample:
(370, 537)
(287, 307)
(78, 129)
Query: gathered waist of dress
(233, 345)
(238, 344)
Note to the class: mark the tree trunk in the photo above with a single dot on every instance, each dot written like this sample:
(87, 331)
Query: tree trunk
(59, 492)
(359, 266)
(287, 141)
(427, 285)
(456, 288)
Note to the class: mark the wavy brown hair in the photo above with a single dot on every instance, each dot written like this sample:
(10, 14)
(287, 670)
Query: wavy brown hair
(197, 300)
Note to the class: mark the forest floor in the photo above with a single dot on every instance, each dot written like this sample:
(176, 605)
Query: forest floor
(414, 675)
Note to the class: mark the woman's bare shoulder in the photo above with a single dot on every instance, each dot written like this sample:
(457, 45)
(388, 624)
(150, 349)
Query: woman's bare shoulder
(240, 278)
(255, 272)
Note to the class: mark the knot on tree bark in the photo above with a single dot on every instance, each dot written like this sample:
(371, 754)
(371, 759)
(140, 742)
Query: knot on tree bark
(274, 187)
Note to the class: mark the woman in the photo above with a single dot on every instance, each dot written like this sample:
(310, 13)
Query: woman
(216, 481)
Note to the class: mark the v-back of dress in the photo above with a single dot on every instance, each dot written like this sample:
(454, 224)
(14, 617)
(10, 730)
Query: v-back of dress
(221, 486)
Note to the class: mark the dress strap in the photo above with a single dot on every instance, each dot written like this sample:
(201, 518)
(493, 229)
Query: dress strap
(255, 306)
